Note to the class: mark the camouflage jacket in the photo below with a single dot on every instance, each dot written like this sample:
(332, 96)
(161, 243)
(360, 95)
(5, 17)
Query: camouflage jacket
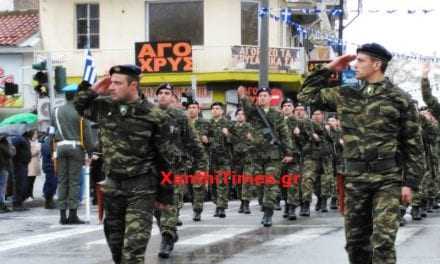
(336, 135)
(220, 145)
(429, 99)
(309, 146)
(188, 145)
(133, 136)
(279, 128)
(382, 125)
(241, 145)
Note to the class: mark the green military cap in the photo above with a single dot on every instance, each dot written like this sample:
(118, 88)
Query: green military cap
(375, 50)
(127, 69)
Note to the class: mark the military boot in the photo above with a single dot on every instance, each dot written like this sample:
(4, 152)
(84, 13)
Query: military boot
(305, 209)
(49, 203)
(246, 208)
(197, 217)
(278, 204)
(333, 203)
(324, 207)
(267, 217)
(221, 212)
(241, 210)
(318, 204)
(179, 222)
(429, 204)
(216, 212)
(63, 217)
(292, 214)
(435, 204)
(416, 213)
(4, 208)
(73, 218)
(286, 210)
(166, 246)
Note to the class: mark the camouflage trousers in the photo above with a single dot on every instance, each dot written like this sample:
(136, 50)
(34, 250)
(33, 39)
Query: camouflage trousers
(371, 221)
(422, 193)
(270, 169)
(246, 189)
(328, 183)
(310, 173)
(128, 223)
(220, 188)
(290, 184)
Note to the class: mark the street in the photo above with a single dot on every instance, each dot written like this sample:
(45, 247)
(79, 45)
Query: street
(34, 236)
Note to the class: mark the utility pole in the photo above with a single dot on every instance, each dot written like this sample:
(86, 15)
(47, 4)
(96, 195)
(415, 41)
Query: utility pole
(264, 45)
(341, 28)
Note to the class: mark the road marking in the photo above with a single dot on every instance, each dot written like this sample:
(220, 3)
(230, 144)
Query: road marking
(42, 238)
(214, 237)
(298, 237)
(406, 233)
(154, 231)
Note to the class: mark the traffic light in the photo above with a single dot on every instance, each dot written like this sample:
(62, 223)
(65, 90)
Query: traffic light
(60, 78)
(41, 66)
(42, 83)
(11, 88)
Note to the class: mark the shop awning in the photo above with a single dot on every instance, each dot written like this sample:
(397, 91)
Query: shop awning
(292, 80)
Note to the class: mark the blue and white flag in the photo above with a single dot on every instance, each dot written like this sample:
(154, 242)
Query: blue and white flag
(89, 68)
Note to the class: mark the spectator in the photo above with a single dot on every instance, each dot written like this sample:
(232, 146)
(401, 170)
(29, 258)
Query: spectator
(51, 181)
(34, 168)
(5, 165)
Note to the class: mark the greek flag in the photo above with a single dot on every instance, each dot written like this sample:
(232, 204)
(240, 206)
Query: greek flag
(89, 68)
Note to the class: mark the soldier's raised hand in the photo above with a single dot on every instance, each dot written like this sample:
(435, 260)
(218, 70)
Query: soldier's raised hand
(101, 87)
(340, 63)
(241, 91)
(426, 68)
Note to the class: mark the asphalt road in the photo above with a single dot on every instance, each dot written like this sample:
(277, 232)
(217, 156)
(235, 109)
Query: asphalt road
(35, 236)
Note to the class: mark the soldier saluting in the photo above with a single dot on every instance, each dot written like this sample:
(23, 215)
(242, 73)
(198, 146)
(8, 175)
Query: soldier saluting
(133, 134)
(382, 141)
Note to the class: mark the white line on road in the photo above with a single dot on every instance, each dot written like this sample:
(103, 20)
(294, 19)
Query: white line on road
(298, 237)
(214, 236)
(406, 233)
(38, 239)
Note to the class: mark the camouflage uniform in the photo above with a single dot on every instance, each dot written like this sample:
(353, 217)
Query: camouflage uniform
(434, 108)
(291, 172)
(242, 158)
(338, 161)
(201, 127)
(189, 149)
(311, 163)
(382, 139)
(268, 160)
(220, 160)
(326, 180)
(133, 136)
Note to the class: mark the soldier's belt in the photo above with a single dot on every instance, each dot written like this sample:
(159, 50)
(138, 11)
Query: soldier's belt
(370, 166)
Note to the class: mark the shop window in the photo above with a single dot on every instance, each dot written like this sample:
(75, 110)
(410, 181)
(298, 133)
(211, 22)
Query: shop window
(176, 20)
(87, 26)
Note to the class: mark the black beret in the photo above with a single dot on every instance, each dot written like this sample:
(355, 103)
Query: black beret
(375, 50)
(299, 105)
(238, 110)
(263, 89)
(423, 108)
(191, 102)
(217, 103)
(286, 100)
(127, 69)
(165, 86)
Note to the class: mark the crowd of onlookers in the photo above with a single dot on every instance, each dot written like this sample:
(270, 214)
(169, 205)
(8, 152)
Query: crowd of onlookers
(23, 158)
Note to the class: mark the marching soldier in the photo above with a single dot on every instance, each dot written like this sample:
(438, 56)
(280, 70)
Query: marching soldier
(220, 147)
(242, 159)
(338, 162)
(290, 185)
(188, 148)
(273, 139)
(382, 142)
(201, 127)
(133, 133)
